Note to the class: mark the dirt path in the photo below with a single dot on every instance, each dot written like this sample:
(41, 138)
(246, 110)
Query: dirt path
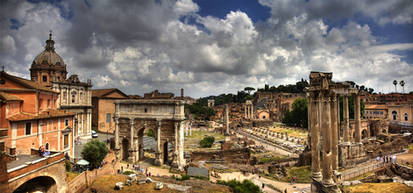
(259, 181)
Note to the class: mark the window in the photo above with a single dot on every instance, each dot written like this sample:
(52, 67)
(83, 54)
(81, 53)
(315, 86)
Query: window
(58, 78)
(394, 113)
(28, 128)
(48, 103)
(108, 118)
(44, 78)
(2, 146)
(46, 146)
(406, 117)
(66, 122)
(66, 141)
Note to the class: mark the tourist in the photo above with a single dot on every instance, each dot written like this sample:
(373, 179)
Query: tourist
(127, 166)
(121, 169)
(263, 185)
(285, 190)
(293, 180)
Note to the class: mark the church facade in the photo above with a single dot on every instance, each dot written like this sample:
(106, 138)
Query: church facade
(49, 69)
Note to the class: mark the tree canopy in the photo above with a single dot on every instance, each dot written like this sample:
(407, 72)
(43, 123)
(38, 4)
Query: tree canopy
(94, 152)
(297, 117)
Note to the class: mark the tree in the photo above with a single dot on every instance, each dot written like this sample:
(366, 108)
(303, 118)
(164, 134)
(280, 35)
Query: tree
(298, 116)
(94, 152)
(245, 187)
(395, 84)
(207, 141)
(402, 84)
(249, 89)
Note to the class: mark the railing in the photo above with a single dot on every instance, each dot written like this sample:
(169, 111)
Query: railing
(362, 170)
(15, 173)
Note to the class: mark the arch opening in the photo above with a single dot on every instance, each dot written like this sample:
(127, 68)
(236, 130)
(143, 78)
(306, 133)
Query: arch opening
(38, 184)
(364, 134)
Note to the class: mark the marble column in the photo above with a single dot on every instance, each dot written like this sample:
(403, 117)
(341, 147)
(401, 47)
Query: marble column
(334, 133)
(326, 134)
(315, 137)
(245, 111)
(181, 159)
(158, 160)
(132, 143)
(357, 121)
(116, 133)
(346, 123)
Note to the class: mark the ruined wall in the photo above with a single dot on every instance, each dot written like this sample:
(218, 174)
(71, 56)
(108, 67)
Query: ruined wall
(240, 156)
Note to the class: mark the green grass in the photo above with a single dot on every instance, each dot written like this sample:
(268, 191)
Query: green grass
(410, 148)
(192, 142)
(301, 173)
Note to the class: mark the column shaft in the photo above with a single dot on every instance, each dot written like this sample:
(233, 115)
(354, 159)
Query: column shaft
(326, 134)
(116, 133)
(357, 120)
(315, 137)
(334, 133)
(346, 124)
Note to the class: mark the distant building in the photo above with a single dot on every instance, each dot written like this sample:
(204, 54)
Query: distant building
(104, 108)
(375, 111)
(30, 118)
(157, 95)
(49, 70)
(401, 114)
(276, 103)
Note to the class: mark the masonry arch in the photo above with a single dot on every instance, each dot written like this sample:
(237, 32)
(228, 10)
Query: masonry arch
(406, 117)
(38, 184)
(125, 148)
(364, 134)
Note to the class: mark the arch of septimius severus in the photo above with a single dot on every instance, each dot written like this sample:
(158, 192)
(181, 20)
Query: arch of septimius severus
(324, 120)
(167, 119)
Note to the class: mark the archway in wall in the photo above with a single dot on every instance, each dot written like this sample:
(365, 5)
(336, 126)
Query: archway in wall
(165, 153)
(38, 184)
(384, 131)
(146, 140)
(364, 134)
(394, 113)
(125, 149)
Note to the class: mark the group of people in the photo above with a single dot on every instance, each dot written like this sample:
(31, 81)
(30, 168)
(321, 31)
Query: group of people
(42, 152)
(386, 159)
(138, 169)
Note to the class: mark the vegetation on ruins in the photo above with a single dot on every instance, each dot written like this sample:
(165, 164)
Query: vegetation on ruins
(151, 133)
(301, 173)
(245, 186)
(94, 152)
(200, 111)
(297, 117)
(207, 142)
(68, 166)
(298, 87)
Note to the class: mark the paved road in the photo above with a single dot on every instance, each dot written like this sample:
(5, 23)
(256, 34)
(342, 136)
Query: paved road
(101, 136)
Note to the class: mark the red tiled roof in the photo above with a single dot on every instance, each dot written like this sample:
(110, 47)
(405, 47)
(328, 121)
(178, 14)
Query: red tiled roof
(7, 97)
(102, 92)
(43, 115)
(25, 82)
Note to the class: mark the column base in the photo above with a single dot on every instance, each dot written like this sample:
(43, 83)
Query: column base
(317, 176)
(328, 182)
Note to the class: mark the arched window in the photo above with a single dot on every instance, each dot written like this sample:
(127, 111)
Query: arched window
(394, 113)
(406, 117)
(73, 97)
(46, 146)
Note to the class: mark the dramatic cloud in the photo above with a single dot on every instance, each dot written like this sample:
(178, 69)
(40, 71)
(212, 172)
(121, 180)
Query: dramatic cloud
(139, 46)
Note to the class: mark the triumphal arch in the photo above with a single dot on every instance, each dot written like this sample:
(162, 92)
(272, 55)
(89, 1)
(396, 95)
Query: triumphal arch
(165, 117)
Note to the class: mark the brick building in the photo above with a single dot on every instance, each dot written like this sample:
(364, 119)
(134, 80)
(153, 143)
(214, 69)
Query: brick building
(104, 108)
(30, 118)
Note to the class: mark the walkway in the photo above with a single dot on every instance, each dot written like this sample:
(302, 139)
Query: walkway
(268, 145)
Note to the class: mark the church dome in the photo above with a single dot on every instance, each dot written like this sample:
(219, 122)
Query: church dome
(48, 58)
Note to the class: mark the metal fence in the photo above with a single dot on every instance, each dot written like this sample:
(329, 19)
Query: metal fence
(362, 170)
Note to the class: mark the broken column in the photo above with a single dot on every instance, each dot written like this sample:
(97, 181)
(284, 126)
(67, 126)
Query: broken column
(158, 159)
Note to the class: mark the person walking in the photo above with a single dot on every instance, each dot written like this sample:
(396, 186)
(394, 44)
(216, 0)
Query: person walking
(263, 185)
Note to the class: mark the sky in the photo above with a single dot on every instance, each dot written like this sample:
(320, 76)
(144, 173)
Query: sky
(210, 47)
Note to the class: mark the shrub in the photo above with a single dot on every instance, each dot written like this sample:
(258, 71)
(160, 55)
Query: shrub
(182, 178)
(68, 166)
(94, 152)
(207, 141)
(127, 173)
(245, 187)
